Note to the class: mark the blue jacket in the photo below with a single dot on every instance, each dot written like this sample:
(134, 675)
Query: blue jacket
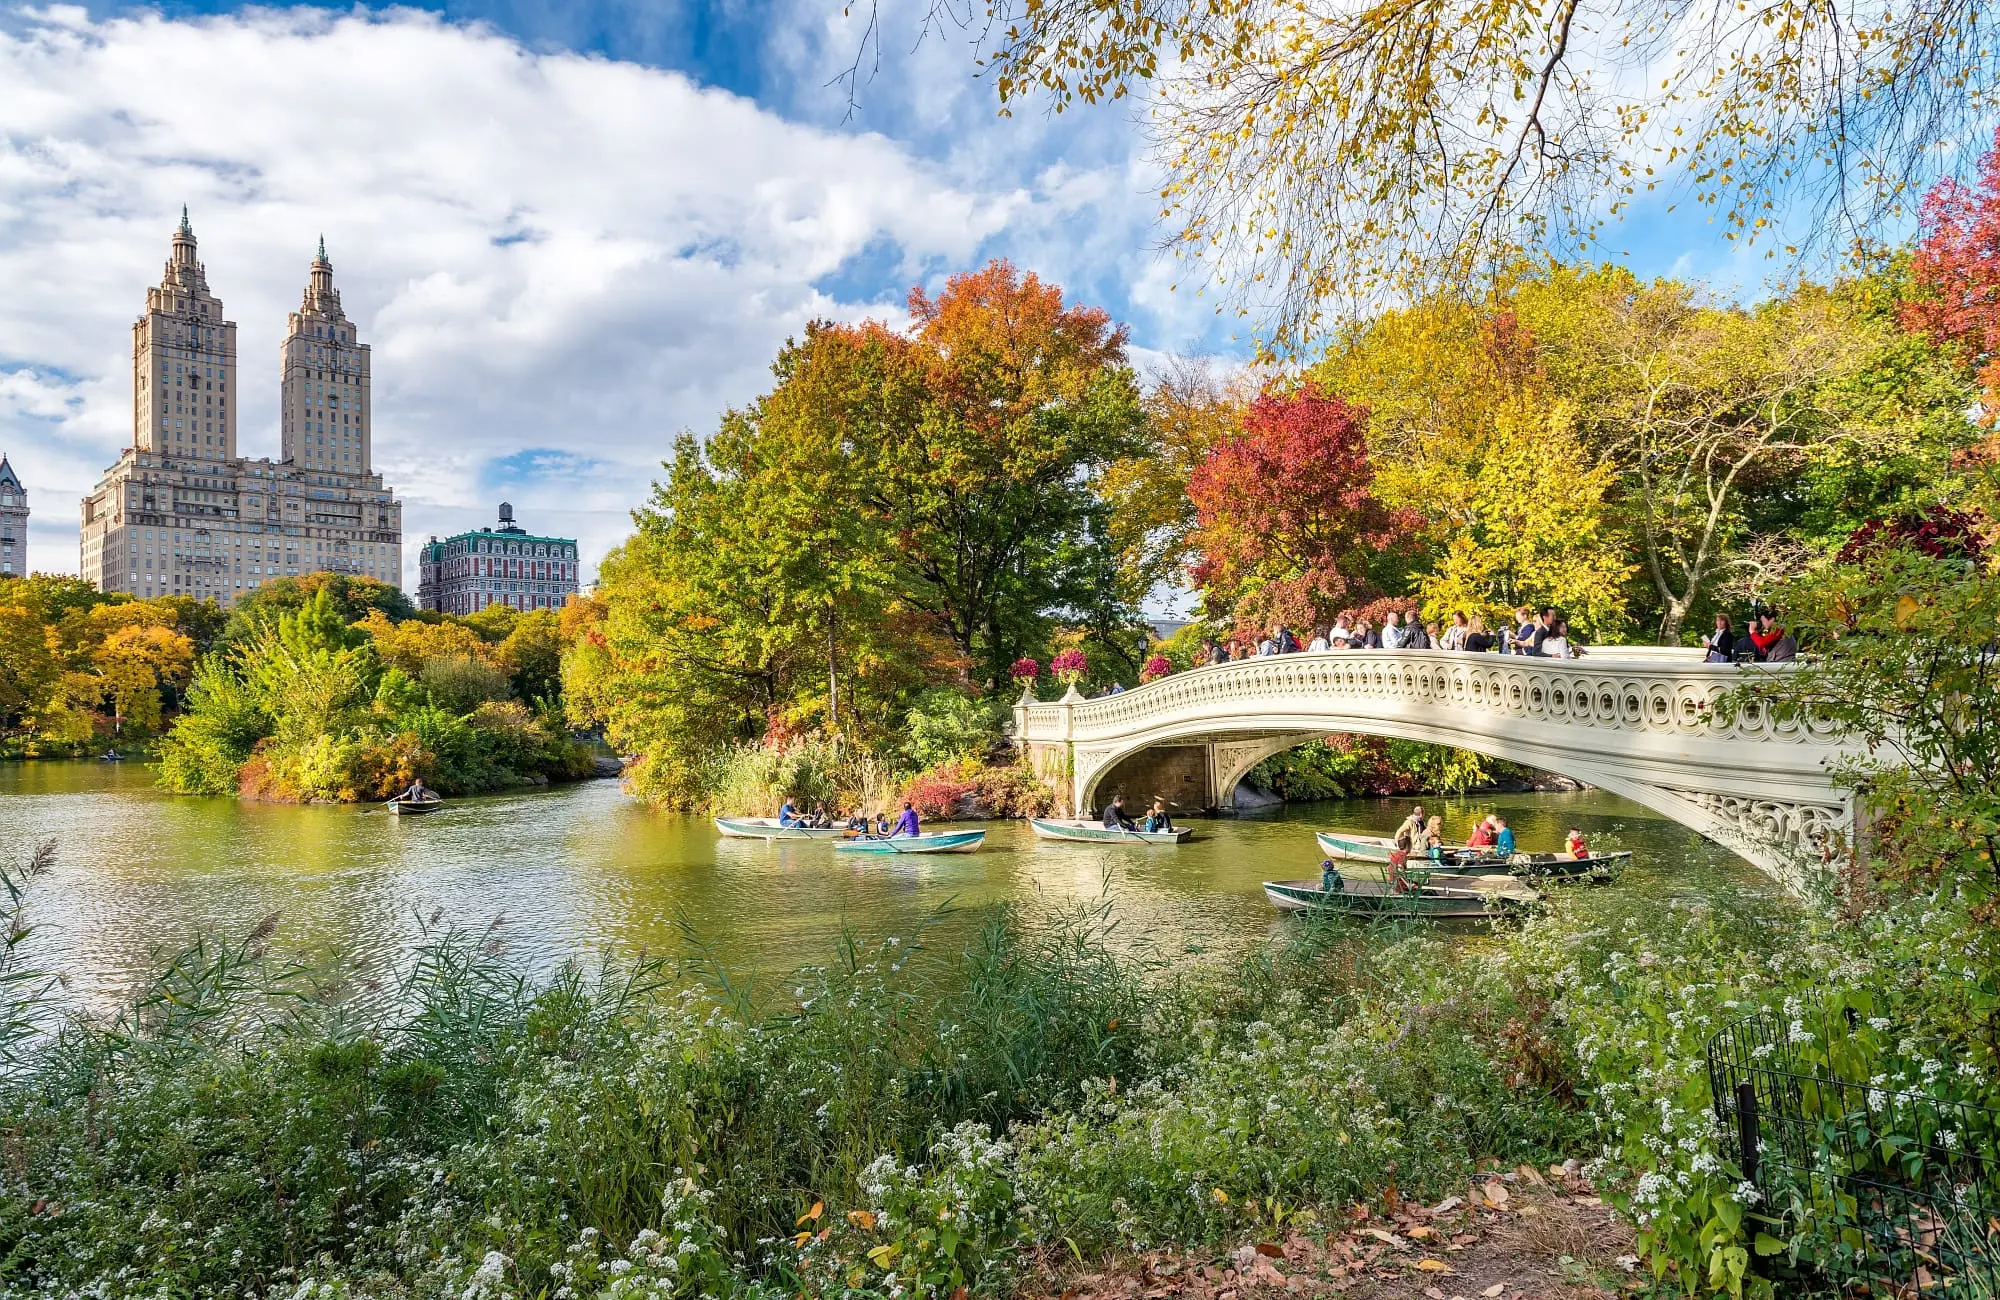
(1503, 843)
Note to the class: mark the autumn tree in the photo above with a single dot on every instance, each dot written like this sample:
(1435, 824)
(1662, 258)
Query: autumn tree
(1190, 410)
(1288, 527)
(988, 482)
(1327, 156)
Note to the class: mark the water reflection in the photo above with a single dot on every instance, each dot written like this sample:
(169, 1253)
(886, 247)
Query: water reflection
(582, 870)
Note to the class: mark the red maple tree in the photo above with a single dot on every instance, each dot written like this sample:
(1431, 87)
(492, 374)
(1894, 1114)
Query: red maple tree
(1957, 272)
(1287, 525)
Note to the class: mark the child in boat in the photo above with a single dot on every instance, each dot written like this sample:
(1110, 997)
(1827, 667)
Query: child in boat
(1330, 879)
(1575, 846)
(1503, 837)
(881, 823)
(1434, 837)
(1157, 818)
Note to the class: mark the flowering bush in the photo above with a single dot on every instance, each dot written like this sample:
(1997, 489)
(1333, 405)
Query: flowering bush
(1069, 666)
(1155, 668)
(937, 793)
(1026, 670)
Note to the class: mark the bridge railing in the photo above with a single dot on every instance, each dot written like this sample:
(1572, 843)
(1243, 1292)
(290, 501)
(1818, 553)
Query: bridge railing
(1634, 693)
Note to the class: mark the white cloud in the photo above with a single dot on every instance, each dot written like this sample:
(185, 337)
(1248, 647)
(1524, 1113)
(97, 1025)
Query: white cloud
(548, 251)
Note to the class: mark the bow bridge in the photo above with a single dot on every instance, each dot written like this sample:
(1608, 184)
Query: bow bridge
(1636, 721)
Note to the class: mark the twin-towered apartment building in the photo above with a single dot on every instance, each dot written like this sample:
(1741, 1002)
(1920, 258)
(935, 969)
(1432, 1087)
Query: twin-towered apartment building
(181, 513)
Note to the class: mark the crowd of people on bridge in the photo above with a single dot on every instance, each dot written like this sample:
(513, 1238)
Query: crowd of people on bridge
(1542, 633)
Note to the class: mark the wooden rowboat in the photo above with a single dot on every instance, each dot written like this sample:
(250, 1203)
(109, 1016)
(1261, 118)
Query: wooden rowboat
(1598, 868)
(767, 828)
(935, 842)
(1082, 831)
(414, 807)
(1377, 898)
(1349, 846)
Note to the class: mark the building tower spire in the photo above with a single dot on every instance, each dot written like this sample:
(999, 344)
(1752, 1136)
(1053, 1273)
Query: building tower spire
(184, 244)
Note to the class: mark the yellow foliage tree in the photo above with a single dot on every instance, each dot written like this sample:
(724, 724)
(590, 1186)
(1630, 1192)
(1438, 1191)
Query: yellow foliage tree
(1531, 530)
(409, 645)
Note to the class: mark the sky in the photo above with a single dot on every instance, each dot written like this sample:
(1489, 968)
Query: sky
(570, 231)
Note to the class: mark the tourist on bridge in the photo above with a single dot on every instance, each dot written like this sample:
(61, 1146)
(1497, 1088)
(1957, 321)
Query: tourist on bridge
(1287, 643)
(1544, 628)
(1477, 639)
(1213, 653)
(1454, 636)
(1521, 640)
(1364, 636)
(1341, 637)
(1392, 631)
(1319, 641)
(1114, 815)
(1556, 644)
(1773, 643)
(1721, 642)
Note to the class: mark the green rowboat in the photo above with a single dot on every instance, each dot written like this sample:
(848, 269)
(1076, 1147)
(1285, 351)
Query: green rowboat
(1089, 832)
(939, 842)
(1377, 898)
(767, 828)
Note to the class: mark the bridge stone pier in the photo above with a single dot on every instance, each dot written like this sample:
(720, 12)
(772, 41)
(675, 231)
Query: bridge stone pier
(1637, 721)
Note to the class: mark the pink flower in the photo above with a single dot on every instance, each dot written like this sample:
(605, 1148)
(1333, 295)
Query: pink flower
(1070, 666)
(1026, 670)
(1155, 668)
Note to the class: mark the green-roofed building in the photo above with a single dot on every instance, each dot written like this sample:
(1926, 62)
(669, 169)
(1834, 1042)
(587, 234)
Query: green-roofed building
(505, 565)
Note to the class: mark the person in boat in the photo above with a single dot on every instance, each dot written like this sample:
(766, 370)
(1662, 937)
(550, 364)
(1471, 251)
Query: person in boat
(1434, 837)
(788, 814)
(417, 793)
(1575, 845)
(1330, 879)
(1157, 817)
(882, 823)
(859, 821)
(1114, 815)
(907, 824)
(1411, 830)
(1503, 837)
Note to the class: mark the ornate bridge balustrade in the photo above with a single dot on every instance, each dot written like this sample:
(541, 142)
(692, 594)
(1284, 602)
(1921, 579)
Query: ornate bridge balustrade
(1637, 722)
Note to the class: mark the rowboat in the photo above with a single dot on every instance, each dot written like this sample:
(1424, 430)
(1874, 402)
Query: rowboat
(414, 807)
(767, 828)
(1343, 846)
(1346, 846)
(936, 842)
(1378, 898)
(1090, 832)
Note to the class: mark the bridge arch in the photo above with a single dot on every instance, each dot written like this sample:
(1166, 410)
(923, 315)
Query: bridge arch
(1636, 723)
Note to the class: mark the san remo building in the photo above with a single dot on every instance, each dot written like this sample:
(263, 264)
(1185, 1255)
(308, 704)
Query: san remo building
(181, 513)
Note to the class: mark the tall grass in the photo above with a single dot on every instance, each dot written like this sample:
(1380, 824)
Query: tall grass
(248, 1125)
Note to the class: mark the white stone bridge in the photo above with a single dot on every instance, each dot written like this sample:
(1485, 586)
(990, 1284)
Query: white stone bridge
(1635, 721)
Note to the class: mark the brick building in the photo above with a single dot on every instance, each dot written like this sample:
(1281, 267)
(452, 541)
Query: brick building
(505, 565)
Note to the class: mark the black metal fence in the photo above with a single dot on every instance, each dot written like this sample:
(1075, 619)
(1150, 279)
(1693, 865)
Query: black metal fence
(1875, 1192)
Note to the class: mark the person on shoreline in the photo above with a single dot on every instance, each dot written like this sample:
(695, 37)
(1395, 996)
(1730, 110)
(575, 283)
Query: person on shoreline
(1115, 818)
(907, 824)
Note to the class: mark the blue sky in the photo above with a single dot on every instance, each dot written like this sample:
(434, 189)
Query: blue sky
(569, 231)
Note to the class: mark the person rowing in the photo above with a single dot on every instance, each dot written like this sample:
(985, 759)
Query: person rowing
(417, 793)
(908, 823)
(1115, 818)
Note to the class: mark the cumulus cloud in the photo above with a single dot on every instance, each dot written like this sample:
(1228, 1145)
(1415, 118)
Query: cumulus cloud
(560, 259)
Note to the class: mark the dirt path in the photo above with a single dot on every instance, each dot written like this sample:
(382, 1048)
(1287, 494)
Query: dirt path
(1533, 1234)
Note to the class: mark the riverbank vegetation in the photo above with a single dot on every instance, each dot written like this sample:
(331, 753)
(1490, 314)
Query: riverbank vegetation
(918, 1116)
(316, 693)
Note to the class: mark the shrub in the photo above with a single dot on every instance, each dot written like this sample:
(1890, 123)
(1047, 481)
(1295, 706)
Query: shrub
(936, 794)
(461, 683)
(948, 725)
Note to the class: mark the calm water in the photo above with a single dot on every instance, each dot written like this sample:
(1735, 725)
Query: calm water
(582, 870)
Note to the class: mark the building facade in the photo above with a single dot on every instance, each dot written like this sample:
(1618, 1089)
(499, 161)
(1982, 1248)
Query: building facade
(13, 522)
(506, 565)
(181, 513)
